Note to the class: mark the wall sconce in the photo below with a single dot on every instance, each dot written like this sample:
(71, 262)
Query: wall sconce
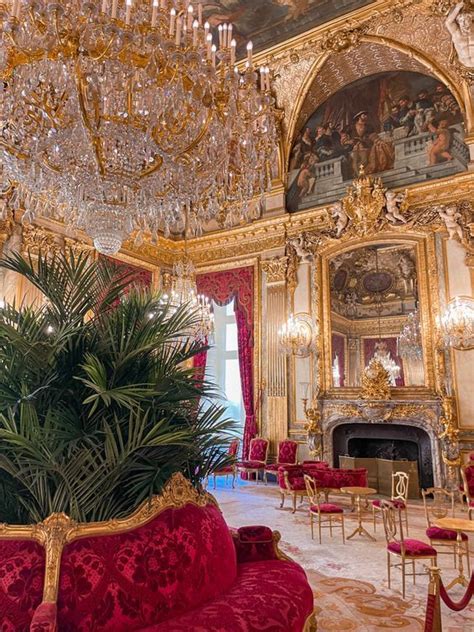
(457, 323)
(297, 337)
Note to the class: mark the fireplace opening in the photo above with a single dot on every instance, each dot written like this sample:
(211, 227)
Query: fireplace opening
(395, 442)
(392, 449)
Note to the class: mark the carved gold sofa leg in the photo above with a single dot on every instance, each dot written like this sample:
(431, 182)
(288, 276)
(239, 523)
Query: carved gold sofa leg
(311, 624)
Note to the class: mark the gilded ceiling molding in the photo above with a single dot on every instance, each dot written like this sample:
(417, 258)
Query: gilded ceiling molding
(37, 239)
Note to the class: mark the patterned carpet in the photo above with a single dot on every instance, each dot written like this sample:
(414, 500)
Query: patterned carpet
(349, 581)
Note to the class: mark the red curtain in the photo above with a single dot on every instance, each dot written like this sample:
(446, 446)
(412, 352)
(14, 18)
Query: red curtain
(369, 348)
(222, 288)
(339, 349)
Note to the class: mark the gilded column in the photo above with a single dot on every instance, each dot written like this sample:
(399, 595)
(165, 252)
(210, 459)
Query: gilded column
(275, 422)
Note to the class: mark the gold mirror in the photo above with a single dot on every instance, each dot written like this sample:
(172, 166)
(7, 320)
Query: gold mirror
(374, 312)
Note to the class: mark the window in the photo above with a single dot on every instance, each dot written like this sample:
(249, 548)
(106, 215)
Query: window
(222, 365)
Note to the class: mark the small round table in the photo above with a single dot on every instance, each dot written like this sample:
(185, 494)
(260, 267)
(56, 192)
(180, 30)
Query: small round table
(459, 525)
(357, 493)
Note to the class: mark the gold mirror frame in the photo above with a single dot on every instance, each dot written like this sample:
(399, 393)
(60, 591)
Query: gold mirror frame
(428, 290)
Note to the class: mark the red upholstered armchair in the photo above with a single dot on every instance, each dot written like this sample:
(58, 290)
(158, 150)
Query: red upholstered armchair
(229, 470)
(258, 455)
(172, 566)
(287, 455)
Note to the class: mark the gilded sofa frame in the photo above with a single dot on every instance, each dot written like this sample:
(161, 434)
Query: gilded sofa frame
(59, 529)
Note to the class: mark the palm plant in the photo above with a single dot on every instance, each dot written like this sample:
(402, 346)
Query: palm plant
(98, 405)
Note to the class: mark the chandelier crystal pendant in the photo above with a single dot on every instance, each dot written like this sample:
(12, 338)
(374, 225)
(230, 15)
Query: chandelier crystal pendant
(119, 115)
(184, 292)
(297, 337)
(457, 323)
(409, 341)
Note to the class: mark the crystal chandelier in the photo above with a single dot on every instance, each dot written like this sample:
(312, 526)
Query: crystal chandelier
(457, 323)
(409, 340)
(382, 355)
(184, 292)
(297, 337)
(118, 115)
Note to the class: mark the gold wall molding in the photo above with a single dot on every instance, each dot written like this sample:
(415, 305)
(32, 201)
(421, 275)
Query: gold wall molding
(275, 270)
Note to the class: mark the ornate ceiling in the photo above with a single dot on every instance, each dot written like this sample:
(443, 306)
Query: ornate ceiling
(269, 22)
(364, 278)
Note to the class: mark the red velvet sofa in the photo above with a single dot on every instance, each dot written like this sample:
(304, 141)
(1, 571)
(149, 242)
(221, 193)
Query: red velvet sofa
(172, 566)
(328, 479)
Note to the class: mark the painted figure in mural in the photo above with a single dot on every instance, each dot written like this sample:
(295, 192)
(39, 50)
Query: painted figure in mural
(339, 214)
(371, 123)
(438, 149)
(451, 217)
(407, 268)
(393, 205)
(459, 25)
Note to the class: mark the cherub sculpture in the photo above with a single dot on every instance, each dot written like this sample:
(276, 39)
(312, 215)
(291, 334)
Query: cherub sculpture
(451, 217)
(303, 246)
(341, 217)
(459, 25)
(394, 203)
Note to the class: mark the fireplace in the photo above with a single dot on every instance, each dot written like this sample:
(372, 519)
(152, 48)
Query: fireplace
(385, 441)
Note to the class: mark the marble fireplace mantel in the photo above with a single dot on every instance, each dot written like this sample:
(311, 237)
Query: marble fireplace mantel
(420, 414)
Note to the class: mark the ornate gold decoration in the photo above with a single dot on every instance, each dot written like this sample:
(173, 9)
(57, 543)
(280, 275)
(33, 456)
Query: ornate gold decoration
(313, 427)
(343, 39)
(275, 269)
(37, 238)
(375, 381)
(449, 435)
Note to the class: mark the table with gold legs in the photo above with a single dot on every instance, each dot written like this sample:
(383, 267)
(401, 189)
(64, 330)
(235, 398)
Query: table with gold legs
(459, 525)
(357, 493)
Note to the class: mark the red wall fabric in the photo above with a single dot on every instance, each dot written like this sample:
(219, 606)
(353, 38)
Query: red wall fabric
(139, 276)
(339, 348)
(369, 348)
(222, 287)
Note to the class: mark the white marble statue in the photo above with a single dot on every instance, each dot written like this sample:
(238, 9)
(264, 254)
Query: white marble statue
(341, 217)
(451, 217)
(393, 202)
(459, 25)
(302, 248)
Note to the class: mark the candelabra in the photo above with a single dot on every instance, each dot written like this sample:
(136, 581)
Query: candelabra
(457, 323)
(313, 425)
(120, 115)
(297, 336)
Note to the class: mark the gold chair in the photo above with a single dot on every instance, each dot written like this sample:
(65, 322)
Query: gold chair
(400, 481)
(442, 506)
(329, 513)
(406, 550)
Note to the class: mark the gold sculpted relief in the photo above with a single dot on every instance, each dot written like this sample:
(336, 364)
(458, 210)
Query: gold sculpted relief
(375, 381)
(275, 269)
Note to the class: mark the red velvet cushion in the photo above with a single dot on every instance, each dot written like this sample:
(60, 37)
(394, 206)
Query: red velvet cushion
(317, 464)
(436, 533)
(124, 582)
(335, 478)
(233, 447)
(273, 467)
(327, 508)
(471, 503)
(258, 450)
(398, 504)
(287, 451)
(21, 583)
(271, 596)
(469, 472)
(251, 465)
(412, 547)
(296, 484)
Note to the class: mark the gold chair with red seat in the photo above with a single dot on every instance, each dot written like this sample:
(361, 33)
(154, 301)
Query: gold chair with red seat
(257, 459)
(229, 469)
(287, 455)
(408, 551)
(442, 506)
(329, 515)
(399, 496)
